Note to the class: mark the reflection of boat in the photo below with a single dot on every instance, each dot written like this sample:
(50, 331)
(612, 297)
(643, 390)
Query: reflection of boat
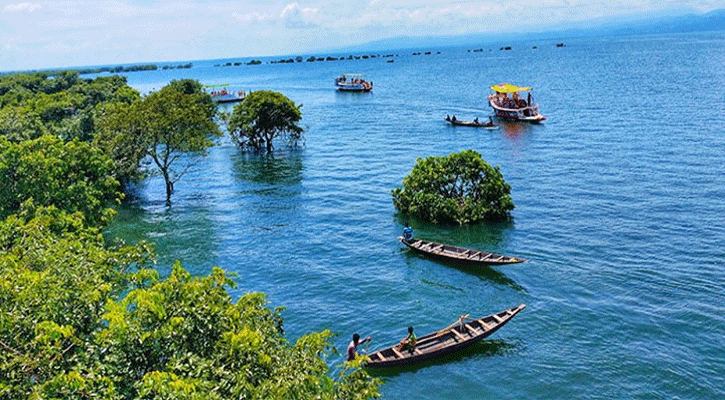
(475, 123)
(514, 108)
(353, 83)
(459, 254)
(220, 94)
(456, 336)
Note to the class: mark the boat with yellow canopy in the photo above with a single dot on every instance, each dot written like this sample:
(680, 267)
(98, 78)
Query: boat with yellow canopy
(514, 107)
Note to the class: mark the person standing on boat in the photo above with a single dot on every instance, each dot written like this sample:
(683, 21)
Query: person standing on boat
(407, 233)
(352, 347)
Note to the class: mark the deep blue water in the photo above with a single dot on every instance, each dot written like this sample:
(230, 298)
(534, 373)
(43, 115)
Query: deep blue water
(619, 205)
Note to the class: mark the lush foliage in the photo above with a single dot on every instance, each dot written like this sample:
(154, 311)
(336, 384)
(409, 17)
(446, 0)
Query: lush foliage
(56, 276)
(172, 126)
(82, 319)
(459, 188)
(262, 117)
(65, 333)
(64, 105)
(71, 176)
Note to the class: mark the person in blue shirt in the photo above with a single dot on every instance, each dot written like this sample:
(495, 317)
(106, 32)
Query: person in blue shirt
(407, 233)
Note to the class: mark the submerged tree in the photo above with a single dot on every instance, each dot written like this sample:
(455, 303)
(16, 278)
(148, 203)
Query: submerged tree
(459, 188)
(175, 122)
(262, 117)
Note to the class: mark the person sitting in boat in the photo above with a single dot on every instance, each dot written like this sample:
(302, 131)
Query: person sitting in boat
(409, 342)
(352, 347)
(448, 117)
(453, 118)
(407, 233)
(490, 121)
(475, 120)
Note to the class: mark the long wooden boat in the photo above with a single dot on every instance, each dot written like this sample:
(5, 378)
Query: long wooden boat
(459, 254)
(474, 124)
(456, 336)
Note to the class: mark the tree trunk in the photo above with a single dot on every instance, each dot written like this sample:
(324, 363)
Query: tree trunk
(169, 186)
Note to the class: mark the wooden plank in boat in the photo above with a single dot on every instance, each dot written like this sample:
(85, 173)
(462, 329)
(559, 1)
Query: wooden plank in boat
(397, 352)
(472, 329)
(484, 325)
(460, 336)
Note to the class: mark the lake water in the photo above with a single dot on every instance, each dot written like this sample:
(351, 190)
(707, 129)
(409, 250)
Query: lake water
(620, 206)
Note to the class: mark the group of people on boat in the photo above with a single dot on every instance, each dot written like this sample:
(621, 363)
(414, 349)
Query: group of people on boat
(343, 81)
(408, 343)
(513, 102)
(453, 119)
(224, 92)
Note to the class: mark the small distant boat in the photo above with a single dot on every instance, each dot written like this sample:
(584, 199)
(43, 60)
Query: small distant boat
(220, 94)
(475, 123)
(353, 83)
(514, 108)
(459, 254)
(456, 336)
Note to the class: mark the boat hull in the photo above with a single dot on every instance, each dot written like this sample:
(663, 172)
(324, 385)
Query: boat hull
(448, 340)
(459, 255)
(354, 88)
(473, 124)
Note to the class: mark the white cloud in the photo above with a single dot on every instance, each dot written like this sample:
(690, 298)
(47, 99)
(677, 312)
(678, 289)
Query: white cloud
(296, 17)
(43, 33)
(22, 7)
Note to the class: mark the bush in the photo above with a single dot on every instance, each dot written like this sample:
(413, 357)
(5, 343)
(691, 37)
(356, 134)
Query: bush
(459, 188)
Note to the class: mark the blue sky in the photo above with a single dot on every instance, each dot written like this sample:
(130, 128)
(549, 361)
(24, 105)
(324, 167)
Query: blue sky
(58, 34)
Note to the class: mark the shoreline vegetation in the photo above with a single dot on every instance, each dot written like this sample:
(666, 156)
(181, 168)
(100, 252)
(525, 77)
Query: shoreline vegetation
(87, 316)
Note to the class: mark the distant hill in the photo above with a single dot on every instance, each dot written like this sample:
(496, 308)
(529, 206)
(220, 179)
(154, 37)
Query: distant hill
(672, 22)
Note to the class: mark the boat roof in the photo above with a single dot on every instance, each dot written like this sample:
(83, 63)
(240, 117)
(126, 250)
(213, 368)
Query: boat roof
(353, 74)
(509, 88)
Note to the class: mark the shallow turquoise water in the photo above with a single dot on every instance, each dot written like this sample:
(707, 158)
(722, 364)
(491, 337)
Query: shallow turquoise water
(619, 205)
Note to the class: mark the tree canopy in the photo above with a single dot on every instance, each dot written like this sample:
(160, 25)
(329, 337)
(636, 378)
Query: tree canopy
(263, 116)
(460, 188)
(173, 127)
(72, 176)
(81, 320)
(63, 106)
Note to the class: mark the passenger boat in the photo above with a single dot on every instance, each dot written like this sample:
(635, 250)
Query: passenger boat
(476, 124)
(459, 254)
(353, 83)
(220, 94)
(456, 336)
(514, 108)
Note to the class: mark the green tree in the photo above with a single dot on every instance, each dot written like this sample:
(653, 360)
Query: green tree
(72, 176)
(63, 105)
(459, 188)
(262, 117)
(56, 276)
(173, 127)
(66, 332)
(19, 123)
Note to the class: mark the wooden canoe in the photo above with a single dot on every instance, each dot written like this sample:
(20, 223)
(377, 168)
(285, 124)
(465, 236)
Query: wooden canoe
(459, 254)
(457, 336)
(474, 124)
